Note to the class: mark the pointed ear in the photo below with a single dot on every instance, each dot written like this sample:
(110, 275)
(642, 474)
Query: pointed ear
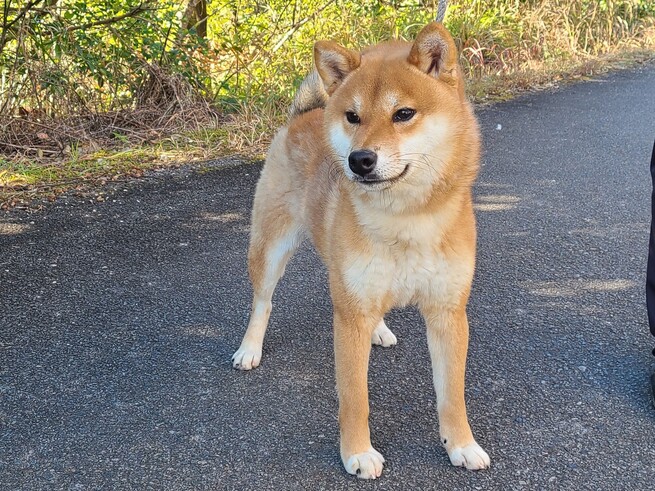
(434, 52)
(334, 63)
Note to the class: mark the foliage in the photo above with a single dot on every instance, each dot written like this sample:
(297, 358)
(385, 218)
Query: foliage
(62, 57)
(266, 47)
(96, 59)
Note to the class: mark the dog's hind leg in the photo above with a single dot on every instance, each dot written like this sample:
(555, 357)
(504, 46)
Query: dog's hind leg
(276, 232)
(275, 237)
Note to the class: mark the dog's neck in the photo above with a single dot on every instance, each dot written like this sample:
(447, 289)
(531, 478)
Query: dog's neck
(396, 216)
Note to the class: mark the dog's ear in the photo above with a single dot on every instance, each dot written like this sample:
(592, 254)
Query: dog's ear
(334, 63)
(434, 52)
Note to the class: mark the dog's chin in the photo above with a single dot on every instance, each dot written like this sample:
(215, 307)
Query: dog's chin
(377, 183)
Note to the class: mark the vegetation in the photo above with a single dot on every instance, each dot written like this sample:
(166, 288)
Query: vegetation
(103, 87)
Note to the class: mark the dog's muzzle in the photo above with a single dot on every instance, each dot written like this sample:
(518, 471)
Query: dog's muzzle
(362, 162)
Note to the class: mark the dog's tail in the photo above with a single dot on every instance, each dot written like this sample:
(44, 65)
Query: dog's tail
(310, 95)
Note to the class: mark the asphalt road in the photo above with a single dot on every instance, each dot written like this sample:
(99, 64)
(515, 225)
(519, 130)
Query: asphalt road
(118, 320)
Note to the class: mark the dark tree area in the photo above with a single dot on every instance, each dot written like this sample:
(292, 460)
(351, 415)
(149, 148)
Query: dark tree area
(195, 17)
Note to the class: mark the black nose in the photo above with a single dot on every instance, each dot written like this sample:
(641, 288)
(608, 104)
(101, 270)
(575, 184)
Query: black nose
(362, 162)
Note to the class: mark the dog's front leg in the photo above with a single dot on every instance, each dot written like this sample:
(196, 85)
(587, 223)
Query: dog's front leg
(352, 346)
(448, 332)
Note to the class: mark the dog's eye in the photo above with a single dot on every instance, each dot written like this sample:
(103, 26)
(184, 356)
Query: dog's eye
(404, 114)
(352, 117)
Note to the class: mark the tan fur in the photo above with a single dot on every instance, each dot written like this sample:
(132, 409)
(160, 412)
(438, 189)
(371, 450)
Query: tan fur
(407, 239)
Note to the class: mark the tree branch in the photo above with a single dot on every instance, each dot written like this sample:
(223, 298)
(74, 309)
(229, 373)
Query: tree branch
(21, 13)
(112, 20)
(298, 25)
(6, 26)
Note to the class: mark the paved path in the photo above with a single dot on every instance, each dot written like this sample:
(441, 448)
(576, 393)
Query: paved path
(118, 319)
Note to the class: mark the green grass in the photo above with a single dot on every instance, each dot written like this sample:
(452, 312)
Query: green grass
(261, 50)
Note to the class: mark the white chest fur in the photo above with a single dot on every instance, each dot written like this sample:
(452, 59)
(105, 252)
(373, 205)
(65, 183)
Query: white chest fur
(406, 259)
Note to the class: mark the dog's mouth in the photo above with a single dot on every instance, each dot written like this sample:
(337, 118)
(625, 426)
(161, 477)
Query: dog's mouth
(374, 182)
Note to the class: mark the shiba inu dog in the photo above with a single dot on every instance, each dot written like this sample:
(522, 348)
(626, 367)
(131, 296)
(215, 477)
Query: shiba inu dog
(376, 166)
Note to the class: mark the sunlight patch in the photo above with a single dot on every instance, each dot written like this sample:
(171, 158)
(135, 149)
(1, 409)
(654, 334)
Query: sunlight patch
(499, 198)
(9, 228)
(200, 330)
(222, 218)
(496, 202)
(492, 207)
(571, 288)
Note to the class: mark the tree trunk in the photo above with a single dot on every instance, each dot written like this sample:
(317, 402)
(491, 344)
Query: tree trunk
(195, 15)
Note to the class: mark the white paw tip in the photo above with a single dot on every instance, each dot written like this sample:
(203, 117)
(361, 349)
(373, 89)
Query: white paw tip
(382, 336)
(471, 456)
(246, 359)
(365, 465)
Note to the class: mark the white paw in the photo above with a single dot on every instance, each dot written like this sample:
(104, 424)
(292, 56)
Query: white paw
(471, 456)
(365, 465)
(382, 336)
(246, 358)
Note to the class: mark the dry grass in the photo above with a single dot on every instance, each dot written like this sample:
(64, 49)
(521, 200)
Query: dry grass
(166, 104)
(246, 132)
(538, 76)
(508, 47)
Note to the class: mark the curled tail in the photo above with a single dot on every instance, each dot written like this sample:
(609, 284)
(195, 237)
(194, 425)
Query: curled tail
(310, 95)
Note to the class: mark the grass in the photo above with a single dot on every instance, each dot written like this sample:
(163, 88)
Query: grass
(247, 134)
(502, 87)
(23, 181)
(507, 46)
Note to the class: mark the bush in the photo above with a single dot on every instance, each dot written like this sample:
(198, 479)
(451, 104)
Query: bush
(94, 60)
(64, 57)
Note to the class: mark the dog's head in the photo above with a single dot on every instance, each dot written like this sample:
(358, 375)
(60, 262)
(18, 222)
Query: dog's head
(396, 113)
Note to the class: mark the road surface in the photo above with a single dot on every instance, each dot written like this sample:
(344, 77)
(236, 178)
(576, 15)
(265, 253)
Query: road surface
(118, 320)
